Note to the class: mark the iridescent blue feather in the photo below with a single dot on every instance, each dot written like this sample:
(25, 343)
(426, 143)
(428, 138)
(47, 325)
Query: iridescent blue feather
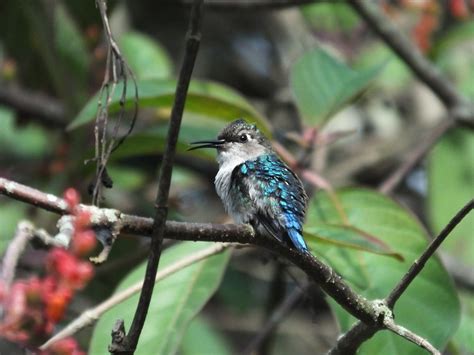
(275, 196)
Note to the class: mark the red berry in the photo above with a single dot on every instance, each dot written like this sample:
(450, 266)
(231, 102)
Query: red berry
(67, 346)
(68, 269)
(82, 221)
(83, 274)
(33, 291)
(48, 285)
(83, 242)
(72, 197)
(3, 292)
(57, 303)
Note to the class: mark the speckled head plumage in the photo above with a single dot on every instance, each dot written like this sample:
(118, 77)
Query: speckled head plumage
(242, 132)
(241, 141)
(237, 142)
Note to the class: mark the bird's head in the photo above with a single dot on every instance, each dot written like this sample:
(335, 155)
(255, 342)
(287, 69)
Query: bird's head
(239, 142)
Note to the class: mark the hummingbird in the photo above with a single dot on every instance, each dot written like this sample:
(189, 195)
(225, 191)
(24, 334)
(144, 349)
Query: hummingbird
(256, 186)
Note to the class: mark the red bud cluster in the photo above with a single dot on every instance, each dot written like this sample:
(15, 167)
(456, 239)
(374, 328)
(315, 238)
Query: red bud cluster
(31, 308)
(429, 15)
(67, 346)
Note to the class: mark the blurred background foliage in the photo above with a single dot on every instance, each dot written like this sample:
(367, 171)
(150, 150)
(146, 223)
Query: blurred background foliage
(310, 71)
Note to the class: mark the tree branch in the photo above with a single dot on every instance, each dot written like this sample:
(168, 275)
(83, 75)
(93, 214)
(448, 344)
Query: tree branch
(418, 265)
(415, 156)
(317, 271)
(232, 5)
(348, 343)
(372, 314)
(24, 233)
(460, 108)
(410, 336)
(46, 110)
(462, 273)
(33, 196)
(129, 343)
(360, 332)
(280, 312)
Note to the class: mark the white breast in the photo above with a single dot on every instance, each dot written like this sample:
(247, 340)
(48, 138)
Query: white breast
(228, 159)
(222, 183)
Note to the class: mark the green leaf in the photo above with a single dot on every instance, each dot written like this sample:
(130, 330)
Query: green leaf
(459, 33)
(70, 44)
(454, 57)
(153, 140)
(71, 68)
(11, 213)
(66, 59)
(202, 338)
(451, 185)
(146, 57)
(346, 237)
(126, 177)
(331, 17)
(176, 300)
(322, 85)
(463, 339)
(394, 77)
(205, 98)
(449, 189)
(30, 141)
(429, 307)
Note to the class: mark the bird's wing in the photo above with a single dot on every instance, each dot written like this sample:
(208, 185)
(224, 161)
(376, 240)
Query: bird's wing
(277, 196)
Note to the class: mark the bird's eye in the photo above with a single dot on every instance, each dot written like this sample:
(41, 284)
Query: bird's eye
(243, 138)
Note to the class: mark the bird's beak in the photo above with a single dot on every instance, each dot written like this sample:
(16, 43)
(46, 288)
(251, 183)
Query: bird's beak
(207, 144)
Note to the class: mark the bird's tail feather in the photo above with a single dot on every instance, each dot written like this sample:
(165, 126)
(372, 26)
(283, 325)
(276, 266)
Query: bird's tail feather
(297, 240)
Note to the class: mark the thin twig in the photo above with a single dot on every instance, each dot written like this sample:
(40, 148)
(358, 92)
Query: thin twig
(418, 264)
(460, 109)
(360, 332)
(39, 107)
(232, 5)
(161, 204)
(462, 273)
(48, 202)
(117, 70)
(281, 312)
(276, 294)
(24, 233)
(410, 336)
(415, 156)
(90, 316)
(349, 342)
